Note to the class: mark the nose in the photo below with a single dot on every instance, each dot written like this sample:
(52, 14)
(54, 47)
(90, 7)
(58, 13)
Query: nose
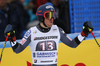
(51, 19)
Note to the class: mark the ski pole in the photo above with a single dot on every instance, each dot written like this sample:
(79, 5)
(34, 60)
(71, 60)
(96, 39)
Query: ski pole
(4, 46)
(94, 37)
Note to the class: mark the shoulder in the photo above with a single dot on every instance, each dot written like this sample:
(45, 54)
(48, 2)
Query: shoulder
(55, 26)
(28, 32)
(58, 28)
(61, 30)
(32, 28)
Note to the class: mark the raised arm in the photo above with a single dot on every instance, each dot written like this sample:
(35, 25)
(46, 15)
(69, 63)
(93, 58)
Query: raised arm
(18, 47)
(78, 39)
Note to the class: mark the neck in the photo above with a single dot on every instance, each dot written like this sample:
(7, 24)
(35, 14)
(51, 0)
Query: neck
(42, 25)
(43, 28)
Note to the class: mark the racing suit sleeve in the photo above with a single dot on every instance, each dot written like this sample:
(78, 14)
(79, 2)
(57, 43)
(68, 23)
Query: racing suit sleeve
(70, 42)
(18, 47)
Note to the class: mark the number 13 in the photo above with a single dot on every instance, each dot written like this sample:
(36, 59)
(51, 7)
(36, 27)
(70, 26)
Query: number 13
(49, 45)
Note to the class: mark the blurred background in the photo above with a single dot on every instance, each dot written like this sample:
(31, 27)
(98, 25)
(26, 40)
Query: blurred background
(71, 14)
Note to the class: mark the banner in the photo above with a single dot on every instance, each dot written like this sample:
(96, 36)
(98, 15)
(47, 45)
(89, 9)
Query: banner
(86, 54)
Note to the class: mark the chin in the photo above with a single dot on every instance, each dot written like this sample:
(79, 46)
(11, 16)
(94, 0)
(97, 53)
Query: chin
(50, 26)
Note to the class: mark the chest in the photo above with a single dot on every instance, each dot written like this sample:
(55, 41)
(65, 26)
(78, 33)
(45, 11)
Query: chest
(45, 41)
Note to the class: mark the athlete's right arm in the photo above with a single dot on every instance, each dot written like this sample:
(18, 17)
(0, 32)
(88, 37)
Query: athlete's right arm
(18, 47)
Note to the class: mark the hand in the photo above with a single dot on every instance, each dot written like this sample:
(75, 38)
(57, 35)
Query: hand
(87, 26)
(9, 29)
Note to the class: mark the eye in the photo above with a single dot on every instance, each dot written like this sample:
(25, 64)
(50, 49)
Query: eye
(47, 15)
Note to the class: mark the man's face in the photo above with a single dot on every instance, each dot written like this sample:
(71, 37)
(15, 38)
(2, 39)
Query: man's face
(49, 18)
(49, 22)
(2, 3)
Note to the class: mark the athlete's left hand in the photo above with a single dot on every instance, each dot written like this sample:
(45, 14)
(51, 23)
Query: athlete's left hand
(87, 26)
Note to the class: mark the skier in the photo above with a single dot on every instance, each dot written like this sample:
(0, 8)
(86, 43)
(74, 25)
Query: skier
(44, 38)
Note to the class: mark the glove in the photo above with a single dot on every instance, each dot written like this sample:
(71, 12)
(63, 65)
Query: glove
(87, 26)
(9, 29)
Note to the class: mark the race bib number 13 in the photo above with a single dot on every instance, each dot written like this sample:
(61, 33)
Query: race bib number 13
(46, 46)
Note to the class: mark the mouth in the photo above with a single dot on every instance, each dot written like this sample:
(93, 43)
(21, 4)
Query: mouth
(51, 22)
